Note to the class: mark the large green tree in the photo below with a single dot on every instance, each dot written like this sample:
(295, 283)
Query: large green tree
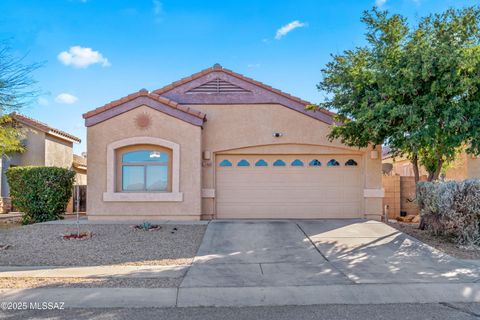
(414, 88)
(16, 91)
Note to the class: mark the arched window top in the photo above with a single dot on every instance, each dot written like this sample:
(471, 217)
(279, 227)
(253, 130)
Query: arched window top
(243, 163)
(225, 163)
(315, 163)
(279, 163)
(149, 156)
(297, 163)
(261, 163)
(143, 169)
(333, 163)
(351, 162)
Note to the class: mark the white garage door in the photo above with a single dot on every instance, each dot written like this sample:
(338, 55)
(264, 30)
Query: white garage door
(289, 186)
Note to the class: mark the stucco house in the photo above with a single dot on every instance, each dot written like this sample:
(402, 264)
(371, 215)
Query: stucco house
(220, 145)
(465, 167)
(45, 146)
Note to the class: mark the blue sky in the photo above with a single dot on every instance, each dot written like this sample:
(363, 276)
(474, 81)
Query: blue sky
(95, 51)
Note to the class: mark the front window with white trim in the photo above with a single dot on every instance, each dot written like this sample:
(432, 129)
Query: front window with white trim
(144, 169)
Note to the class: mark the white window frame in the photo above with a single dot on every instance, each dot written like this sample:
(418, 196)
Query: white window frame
(111, 195)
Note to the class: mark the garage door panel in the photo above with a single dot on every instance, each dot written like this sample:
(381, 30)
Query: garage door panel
(268, 177)
(285, 211)
(275, 194)
(288, 191)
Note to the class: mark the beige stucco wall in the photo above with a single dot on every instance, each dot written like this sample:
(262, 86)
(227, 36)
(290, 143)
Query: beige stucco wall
(34, 154)
(250, 128)
(80, 177)
(58, 152)
(162, 126)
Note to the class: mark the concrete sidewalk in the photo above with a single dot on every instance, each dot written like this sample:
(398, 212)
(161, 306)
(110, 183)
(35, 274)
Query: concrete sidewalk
(248, 296)
(95, 272)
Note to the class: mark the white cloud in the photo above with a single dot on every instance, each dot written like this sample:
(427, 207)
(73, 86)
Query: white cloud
(380, 3)
(66, 98)
(288, 28)
(80, 57)
(43, 101)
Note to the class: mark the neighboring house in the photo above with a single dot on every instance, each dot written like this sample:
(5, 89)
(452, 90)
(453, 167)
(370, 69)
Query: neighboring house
(465, 167)
(220, 145)
(79, 164)
(45, 146)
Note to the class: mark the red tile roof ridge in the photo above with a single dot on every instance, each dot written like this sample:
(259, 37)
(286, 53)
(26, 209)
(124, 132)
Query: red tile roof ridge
(143, 93)
(43, 126)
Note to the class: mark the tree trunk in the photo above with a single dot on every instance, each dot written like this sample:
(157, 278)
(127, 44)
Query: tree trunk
(416, 171)
(433, 175)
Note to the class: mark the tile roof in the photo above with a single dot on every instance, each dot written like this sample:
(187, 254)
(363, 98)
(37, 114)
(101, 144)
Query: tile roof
(145, 93)
(44, 127)
(79, 161)
(217, 67)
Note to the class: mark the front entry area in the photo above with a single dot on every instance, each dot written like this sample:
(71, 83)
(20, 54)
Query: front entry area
(293, 186)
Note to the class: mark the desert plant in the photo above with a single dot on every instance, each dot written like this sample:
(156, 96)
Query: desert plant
(41, 193)
(452, 209)
(146, 226)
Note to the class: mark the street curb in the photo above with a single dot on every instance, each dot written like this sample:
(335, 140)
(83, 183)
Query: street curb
(330, 294)
(248, 296)
(93, 297)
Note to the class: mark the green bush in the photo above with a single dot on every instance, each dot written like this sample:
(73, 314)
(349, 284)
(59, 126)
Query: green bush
(452, 209)
(41, 193)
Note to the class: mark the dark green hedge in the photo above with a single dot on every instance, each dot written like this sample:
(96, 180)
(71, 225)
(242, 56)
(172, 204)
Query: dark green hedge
(41, 193)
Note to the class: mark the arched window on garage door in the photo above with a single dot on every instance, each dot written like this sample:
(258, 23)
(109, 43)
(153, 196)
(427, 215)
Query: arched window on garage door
(333, 163)
(279, 163)
(225, 163)
(351, 163)
(315, 163)
(243, 163)
(261, 163)
(297, 163)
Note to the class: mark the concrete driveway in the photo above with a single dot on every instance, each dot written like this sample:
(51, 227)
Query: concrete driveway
(317, 252)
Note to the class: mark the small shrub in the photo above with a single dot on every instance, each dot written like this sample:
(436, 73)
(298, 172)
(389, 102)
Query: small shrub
(451, 209)
(41, 193)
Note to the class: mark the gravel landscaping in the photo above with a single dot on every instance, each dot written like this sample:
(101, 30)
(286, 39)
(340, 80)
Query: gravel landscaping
(439, 243)
(22, 283)
(42, 245)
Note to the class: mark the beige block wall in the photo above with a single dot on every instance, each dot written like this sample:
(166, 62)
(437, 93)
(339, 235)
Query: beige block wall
(407, 194)
(391, 184)
(473, 166)
(399, 195)
(250, 128)
(165, 127)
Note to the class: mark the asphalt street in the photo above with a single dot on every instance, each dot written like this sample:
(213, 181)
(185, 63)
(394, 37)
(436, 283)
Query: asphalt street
(318, 312)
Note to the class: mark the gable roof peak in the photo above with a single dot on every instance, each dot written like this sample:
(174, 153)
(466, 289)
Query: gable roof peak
(217, 66)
